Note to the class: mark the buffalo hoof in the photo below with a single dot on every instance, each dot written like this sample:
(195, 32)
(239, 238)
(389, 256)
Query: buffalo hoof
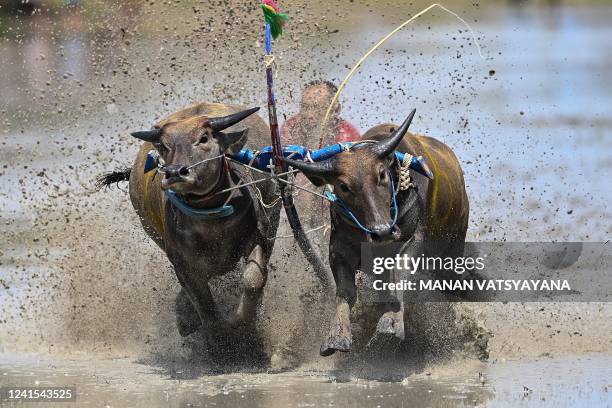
(388, 325)
(335, 343)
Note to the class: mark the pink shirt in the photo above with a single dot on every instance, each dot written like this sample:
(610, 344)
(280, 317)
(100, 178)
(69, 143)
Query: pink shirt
(346, 132)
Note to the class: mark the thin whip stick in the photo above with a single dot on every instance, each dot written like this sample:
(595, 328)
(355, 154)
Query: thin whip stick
(378, 44)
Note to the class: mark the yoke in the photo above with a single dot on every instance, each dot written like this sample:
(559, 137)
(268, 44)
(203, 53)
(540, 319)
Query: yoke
(264, 159)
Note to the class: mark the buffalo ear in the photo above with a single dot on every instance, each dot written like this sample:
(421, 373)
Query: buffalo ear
(317, 181)
(232, 142)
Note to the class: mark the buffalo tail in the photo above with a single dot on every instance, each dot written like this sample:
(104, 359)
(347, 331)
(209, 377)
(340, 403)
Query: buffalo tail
(113, 177)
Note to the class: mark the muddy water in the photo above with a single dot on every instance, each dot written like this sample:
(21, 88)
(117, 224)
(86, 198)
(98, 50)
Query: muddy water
(575, 381)
(79, 279)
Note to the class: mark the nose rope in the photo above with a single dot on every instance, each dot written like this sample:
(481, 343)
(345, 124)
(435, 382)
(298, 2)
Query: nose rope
(204, 161)
(347, 211)
(162, 165)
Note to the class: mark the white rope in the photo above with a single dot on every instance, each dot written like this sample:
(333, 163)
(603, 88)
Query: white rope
(233, 189)
(261, 200)
(324, 227)
(277, 176)
(404, 177)
(204, 161)
(253, 182)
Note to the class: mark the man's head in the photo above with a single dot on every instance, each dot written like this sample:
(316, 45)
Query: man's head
(183, 143)
(316, 98)
(361, 177)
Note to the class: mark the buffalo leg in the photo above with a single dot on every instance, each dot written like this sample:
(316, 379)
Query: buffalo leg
(199, 294)
(253, 281)
(392, 320)
(340, 336)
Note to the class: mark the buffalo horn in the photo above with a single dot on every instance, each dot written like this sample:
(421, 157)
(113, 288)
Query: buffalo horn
(387, 146)
(223, 122)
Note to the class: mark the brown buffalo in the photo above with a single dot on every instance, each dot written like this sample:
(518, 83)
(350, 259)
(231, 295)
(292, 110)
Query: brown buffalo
(199, 242)
(432, 215)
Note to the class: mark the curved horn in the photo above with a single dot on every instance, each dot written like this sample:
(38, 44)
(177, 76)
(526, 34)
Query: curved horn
(148, 135)
(323, 168)
(385, 147)
(223, 122)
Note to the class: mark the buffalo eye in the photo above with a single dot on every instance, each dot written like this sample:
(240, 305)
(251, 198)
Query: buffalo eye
(204, 139)
(344, 188)
(160, 147)
(382, 175)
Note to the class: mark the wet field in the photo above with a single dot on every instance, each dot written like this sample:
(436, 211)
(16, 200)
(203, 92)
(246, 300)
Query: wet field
(86, 299)
(575, 381)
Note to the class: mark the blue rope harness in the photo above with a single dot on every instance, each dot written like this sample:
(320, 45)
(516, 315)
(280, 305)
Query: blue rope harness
(346, 211)
(261, 159)
(199, 213)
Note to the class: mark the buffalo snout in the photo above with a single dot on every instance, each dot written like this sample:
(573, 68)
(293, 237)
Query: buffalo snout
(176, 170)
(385, 232)
(175, 173)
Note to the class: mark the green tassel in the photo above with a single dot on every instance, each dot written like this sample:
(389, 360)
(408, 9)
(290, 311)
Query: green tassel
(276, 21)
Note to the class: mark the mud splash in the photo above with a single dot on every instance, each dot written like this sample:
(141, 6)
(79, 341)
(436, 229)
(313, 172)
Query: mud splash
(79, 278)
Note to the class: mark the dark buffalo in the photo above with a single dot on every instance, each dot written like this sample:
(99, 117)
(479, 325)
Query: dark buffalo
(199, 242)
(432, 216)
